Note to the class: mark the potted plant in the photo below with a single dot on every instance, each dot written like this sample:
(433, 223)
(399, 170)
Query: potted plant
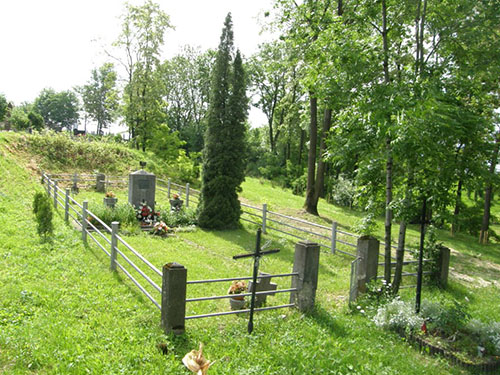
(237, 287)
(110, 199)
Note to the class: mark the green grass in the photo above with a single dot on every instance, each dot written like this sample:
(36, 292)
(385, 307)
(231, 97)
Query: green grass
(62, 311)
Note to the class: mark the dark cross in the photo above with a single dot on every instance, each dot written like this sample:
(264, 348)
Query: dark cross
(257, 255)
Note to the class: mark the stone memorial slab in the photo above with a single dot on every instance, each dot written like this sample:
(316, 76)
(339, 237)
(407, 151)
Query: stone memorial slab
(142, 188)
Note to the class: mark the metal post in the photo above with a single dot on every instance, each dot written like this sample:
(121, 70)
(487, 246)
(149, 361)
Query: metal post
(334, 237)
(84, 221)
(169, 183)
(48, 185)
(264, 217)
(173, 298)
(66, 206)
(114, 232)
(187, 195)
(55, 195)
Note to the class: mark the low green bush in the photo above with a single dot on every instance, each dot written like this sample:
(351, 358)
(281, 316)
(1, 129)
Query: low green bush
(123, 213)
(42, 208)
(445, 317)
(398, 315)
(182, 218)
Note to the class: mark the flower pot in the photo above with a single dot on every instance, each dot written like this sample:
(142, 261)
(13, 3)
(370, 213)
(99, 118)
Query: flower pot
(237, 303)
(110, 202)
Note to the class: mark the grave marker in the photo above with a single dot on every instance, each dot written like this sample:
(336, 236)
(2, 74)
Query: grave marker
(142, 188)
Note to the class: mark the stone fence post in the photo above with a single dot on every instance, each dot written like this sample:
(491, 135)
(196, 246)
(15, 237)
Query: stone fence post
(173, 298)
(443, 266)
(306, 264)
(100, 182)
(366, 270)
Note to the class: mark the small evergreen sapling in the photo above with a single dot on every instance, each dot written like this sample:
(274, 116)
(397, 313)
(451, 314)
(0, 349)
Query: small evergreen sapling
(42, 209)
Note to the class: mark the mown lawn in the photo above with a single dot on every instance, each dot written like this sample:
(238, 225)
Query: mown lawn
(62, 311)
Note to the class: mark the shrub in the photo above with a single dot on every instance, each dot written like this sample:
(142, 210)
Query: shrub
(42, 208)
(398, 315)
(123, 213)
(446, 317)
(343, 192)
(487, 335)
(431, 251)
(184, 217)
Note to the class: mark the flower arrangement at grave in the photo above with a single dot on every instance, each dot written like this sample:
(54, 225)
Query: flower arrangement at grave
(110, 194)
(237, 287)
(160, 229)
(146, 215)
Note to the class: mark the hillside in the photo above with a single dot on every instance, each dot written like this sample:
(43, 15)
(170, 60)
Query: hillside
(63, 312)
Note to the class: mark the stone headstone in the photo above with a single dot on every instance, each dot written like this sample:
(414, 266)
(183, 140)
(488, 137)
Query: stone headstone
(142, 188)
(264, 284)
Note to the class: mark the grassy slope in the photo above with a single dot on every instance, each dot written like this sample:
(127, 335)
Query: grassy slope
(63, 312)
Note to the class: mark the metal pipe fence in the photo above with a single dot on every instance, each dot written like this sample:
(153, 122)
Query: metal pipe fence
(93, 227)
(241, 295)
(327, 237)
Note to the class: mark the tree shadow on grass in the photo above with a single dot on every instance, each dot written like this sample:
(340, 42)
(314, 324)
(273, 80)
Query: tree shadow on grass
(326, 320)
(246, 239)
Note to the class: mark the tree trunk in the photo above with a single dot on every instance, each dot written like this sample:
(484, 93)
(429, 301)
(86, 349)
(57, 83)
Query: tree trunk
(320, 173)
(483, 235)
(403, 225)
(301, 146)
(400, 254)
(311, 159)
(456, 213)
(388, 212)
(388, 167)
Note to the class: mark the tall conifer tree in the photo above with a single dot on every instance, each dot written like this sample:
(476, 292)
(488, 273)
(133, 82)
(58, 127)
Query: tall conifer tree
(224, 151)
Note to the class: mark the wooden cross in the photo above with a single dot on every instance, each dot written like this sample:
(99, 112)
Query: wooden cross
(256, 256)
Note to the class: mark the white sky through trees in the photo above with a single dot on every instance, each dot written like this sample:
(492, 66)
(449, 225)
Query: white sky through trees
(56, 43)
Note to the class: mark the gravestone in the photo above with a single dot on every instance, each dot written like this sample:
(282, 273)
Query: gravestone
(264, 284)
(142, 188)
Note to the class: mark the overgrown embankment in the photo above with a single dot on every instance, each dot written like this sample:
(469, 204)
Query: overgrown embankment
(63, 153)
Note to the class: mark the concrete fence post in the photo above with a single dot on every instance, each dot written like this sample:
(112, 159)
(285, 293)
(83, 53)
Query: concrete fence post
(66, 206)
(443, 266)
(334, 237)
(114, 242)
(55, 195)
(100, 182)
(84, 224)
(367, 251)
(173, 298)
(306, 264)
(264, 217)
(187, 195)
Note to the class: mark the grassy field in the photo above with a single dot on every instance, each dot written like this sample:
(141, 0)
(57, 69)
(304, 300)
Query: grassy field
(62, 311)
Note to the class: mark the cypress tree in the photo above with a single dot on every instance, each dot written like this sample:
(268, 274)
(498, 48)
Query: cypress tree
(224, 151)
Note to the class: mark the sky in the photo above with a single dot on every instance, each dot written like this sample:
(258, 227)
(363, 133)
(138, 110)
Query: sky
(56, 43)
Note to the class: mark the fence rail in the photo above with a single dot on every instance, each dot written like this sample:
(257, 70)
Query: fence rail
(114, 246)
(92, 226)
